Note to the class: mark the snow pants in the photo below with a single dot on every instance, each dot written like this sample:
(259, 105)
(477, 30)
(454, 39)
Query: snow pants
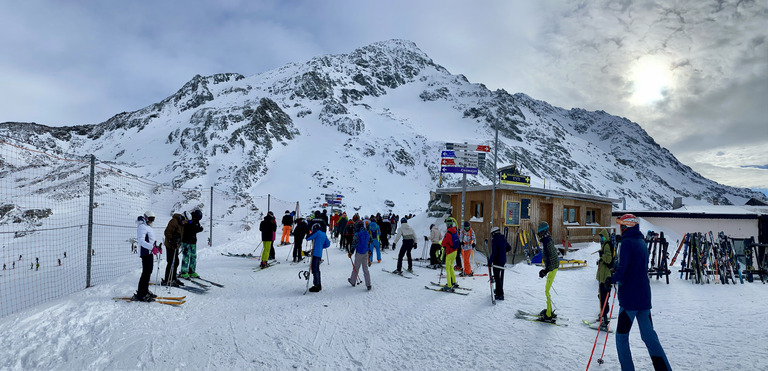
(465, 255)
(605, 292)
(315, 268)
(647, 333)
(376, 246)
(147, 262)
(189, 263)
(297, 249)
(265, 252)
(172, 261)
(405, 250)
(284, 239)
(550, 279)
(450, 275)
(498, 277)
(434, 254)
(360, 261)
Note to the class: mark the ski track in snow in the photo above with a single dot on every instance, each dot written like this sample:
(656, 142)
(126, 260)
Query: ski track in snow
(261, 320)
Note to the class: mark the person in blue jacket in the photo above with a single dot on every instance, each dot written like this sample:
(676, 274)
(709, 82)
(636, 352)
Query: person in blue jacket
(363, 252)
(631, 276)
(499, 249)
(375, 232)
(320, 242)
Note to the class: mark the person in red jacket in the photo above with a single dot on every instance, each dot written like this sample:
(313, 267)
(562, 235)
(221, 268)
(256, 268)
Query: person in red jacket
(451, 245)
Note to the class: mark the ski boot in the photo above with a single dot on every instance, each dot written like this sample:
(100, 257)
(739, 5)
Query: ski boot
(316, 288)
(194, 275)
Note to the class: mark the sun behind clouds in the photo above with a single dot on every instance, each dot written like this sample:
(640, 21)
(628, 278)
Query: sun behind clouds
(651, 77)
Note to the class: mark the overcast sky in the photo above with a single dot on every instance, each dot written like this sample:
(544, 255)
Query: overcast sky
(694, 74)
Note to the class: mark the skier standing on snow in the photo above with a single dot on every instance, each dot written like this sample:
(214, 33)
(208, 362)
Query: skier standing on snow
(373, 229)
(467, 245)
(274, 236)
(409, 242)
(173, 232)
(451, 244)
(604, 265)
(145, 236)
(635, 296)
(435, 237)
(267, 228)
(551, 263)
(362, 253)
(386, 230)
(299, 232)
(287, 223)
(320, 242)
(189, 245)
(499, 249)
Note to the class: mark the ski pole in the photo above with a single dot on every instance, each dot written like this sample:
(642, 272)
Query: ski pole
(257, 247)
(290, 250)
(594, 345)
(355, 270)
(608, 328)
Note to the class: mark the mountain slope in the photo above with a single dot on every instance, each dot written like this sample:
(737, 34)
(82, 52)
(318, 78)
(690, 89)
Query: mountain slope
(343, 123)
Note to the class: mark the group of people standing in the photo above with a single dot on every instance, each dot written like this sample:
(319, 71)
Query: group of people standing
(180, 237)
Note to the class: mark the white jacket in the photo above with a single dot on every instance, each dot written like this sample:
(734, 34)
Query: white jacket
(435, 236)
(406, 232)
(145, 236)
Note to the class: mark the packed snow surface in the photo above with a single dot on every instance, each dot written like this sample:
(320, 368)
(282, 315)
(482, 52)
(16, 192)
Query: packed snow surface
(261, 320)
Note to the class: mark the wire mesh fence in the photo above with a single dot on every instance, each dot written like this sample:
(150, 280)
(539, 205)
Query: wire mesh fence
(68, 223)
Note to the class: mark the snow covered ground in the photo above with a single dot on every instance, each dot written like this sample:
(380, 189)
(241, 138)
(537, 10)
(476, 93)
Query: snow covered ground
(261, 320)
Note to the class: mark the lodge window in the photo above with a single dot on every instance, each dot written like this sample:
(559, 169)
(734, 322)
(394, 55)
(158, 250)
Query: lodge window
(593, 216)
(569, 214)
(477, 210)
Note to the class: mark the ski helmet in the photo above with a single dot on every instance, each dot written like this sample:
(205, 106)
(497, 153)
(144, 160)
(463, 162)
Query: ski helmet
(629, 220)
(495, 230)
(315, 227)
(404, 220)
(543, 226)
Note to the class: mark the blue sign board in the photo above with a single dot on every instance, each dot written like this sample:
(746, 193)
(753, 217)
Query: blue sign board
(460, 170)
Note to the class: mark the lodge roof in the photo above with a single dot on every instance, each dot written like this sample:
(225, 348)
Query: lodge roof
(533, 191)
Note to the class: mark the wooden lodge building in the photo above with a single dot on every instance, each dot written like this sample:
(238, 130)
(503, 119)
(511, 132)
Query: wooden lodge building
(575, 217)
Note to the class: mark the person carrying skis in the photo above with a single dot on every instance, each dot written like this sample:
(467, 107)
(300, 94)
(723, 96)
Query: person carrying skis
(375, 232)
(299, 232)
(320, 242)
(631, 277)
(497, 259)
(434, 251)
(551, 262)
(604, 265)
(451, 244)
(267, 228)
(467, 245)
(287, 222)
(409, 242)
(363, 252)
(145, 236)
(173, 232)
(189, 245)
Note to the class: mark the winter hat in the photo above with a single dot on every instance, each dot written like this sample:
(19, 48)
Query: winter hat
(543, 226)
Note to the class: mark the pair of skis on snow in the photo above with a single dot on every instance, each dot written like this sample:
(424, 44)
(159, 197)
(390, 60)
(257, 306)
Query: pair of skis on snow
(168, 300)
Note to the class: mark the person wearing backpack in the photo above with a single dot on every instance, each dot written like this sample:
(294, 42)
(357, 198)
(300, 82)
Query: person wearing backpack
(362, 252)
(172, 233)
(189, 245)
(604, 265)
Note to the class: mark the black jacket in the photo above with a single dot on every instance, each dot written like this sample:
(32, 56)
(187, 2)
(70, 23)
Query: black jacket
(191, 229)
(287, 219)
(300, 231)
(267, 228)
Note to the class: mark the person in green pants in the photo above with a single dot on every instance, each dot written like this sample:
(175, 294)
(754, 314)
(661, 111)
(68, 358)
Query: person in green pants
(551, 262)
(189, 245)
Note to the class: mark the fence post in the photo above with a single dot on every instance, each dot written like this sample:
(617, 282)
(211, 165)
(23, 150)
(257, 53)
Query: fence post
(210, 229)
(90, 224)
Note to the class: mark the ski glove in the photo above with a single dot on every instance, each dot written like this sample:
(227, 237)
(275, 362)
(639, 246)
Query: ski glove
(414, 245)
(542, 273)
(349, 255)
(608, 280)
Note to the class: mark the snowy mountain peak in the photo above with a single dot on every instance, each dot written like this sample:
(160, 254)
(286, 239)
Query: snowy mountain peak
(361, 122)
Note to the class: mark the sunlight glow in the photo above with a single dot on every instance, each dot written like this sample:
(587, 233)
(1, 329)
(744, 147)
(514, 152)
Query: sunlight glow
(650, 77)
